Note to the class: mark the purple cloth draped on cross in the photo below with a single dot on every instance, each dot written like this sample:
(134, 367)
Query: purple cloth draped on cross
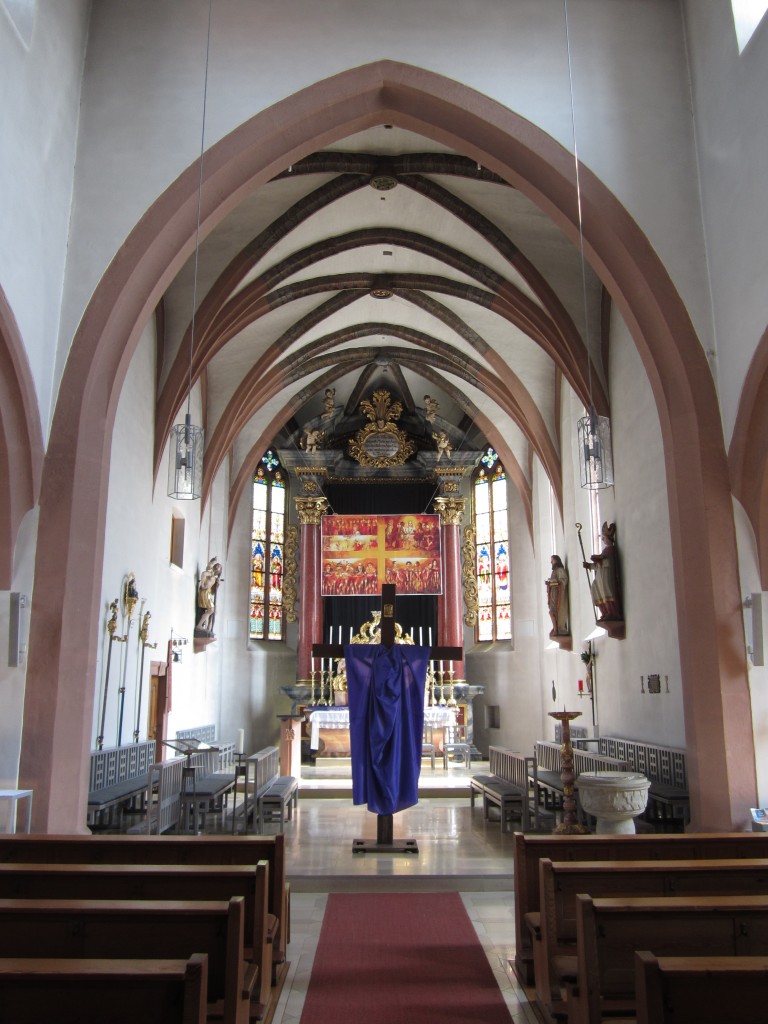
(386, 722)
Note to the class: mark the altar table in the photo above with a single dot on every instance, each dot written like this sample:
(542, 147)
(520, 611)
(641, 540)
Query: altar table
(338, 718)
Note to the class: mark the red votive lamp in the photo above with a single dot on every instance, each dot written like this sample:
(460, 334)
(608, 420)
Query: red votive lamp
(581, 686)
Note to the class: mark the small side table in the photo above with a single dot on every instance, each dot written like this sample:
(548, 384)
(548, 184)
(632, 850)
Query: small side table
(14, 795)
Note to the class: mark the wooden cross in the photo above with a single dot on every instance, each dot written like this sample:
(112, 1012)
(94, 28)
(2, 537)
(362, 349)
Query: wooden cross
(384, 842)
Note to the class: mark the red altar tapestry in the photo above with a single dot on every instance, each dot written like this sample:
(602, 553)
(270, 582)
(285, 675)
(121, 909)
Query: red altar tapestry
(360, 553)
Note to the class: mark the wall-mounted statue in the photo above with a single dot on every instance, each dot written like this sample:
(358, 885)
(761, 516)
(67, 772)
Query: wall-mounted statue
(329, 402)
(557, 597)
(431, 406)
(605, 585)
(206, 596)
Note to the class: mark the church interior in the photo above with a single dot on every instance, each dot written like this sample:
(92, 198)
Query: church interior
(299, 301)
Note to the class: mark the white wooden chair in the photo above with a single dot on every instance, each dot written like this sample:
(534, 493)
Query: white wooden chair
(455, 745)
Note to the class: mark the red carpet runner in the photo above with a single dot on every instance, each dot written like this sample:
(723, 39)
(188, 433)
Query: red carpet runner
(401, 958)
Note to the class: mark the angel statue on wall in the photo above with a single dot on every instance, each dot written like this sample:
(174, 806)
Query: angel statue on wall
(443, 442)
(312, 440)
(329, 402)
(431, 406)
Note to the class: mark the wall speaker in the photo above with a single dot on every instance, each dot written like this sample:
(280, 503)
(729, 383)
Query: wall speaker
(16, 644)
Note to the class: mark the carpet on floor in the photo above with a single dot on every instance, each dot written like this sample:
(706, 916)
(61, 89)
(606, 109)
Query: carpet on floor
(401, 958)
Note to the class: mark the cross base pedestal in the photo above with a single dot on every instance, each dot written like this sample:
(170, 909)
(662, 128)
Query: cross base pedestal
(374, 846)
(384, 843)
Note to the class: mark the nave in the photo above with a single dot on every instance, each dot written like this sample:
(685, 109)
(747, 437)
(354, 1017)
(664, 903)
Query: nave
(458, 851)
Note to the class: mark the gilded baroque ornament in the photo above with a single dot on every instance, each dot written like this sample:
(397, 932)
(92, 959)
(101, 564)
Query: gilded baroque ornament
(468, 578)
(311, 510)
(450, 510)
(291, 571)
(381, 443)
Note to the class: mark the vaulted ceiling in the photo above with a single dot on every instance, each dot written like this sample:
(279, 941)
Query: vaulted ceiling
(385, 261)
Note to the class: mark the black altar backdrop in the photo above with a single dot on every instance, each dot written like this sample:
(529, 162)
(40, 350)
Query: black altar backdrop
(415, 613)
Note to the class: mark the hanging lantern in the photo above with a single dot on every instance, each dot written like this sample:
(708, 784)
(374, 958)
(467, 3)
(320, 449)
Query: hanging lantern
(595, 456)
(185, 460)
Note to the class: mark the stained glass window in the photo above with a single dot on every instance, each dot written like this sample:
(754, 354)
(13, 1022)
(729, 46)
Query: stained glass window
(492, 549)
(267, 550)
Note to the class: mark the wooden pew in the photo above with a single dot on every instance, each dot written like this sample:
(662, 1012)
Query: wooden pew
(705, 989)
(609, 931)
(142, 849)
(138, 929)
(156, 882)
(92, 991)
(554, 945)
(528, 850)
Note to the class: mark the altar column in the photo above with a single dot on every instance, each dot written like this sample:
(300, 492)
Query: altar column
(449, 605)
(310, 511)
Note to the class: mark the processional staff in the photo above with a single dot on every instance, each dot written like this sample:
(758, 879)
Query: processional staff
(143, 634)
(130, 597)
(111, 627)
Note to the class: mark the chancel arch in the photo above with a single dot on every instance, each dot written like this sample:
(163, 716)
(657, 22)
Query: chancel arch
(62, 662)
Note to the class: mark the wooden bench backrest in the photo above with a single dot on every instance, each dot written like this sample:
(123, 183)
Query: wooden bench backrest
(561, 881)
(150, 882)
(530, 849)
(703, 989)
(511, 766)
(659, 764)
(92, 991)
(139, 928)
(121, 849)
(119, 764)
(610, 930)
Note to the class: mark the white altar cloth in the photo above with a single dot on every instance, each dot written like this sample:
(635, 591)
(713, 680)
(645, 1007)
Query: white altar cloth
(338, 718)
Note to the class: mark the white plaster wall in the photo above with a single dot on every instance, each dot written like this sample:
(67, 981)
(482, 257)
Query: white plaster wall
(40, 90)
(758, 674)
(638, 504)
(142, 99)
(731, 117)
(138, 540)
(12, 680)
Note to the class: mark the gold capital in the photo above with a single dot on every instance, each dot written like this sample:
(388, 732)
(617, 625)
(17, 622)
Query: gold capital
(450, 510)
(310, 510)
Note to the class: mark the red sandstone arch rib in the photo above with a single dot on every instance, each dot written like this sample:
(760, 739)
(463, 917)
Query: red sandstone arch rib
(59, 692)
(21, 439)
(748, 453)
(258, 387)
(558, 339)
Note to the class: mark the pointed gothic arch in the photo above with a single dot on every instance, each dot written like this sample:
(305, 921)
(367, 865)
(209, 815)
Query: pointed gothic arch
(55, 742)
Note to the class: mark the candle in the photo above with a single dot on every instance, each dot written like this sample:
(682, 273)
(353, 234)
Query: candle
(581, 686)
(421, 636)
(429, 641)
(441, 668)
(240, 740)
(313, 666)
(339, 635)
(351, 634)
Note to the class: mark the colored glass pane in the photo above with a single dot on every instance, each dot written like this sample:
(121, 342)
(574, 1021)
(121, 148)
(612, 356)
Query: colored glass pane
(492, 551)
(269, 504)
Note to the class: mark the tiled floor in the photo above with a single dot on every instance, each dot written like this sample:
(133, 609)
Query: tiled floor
(458, 850)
